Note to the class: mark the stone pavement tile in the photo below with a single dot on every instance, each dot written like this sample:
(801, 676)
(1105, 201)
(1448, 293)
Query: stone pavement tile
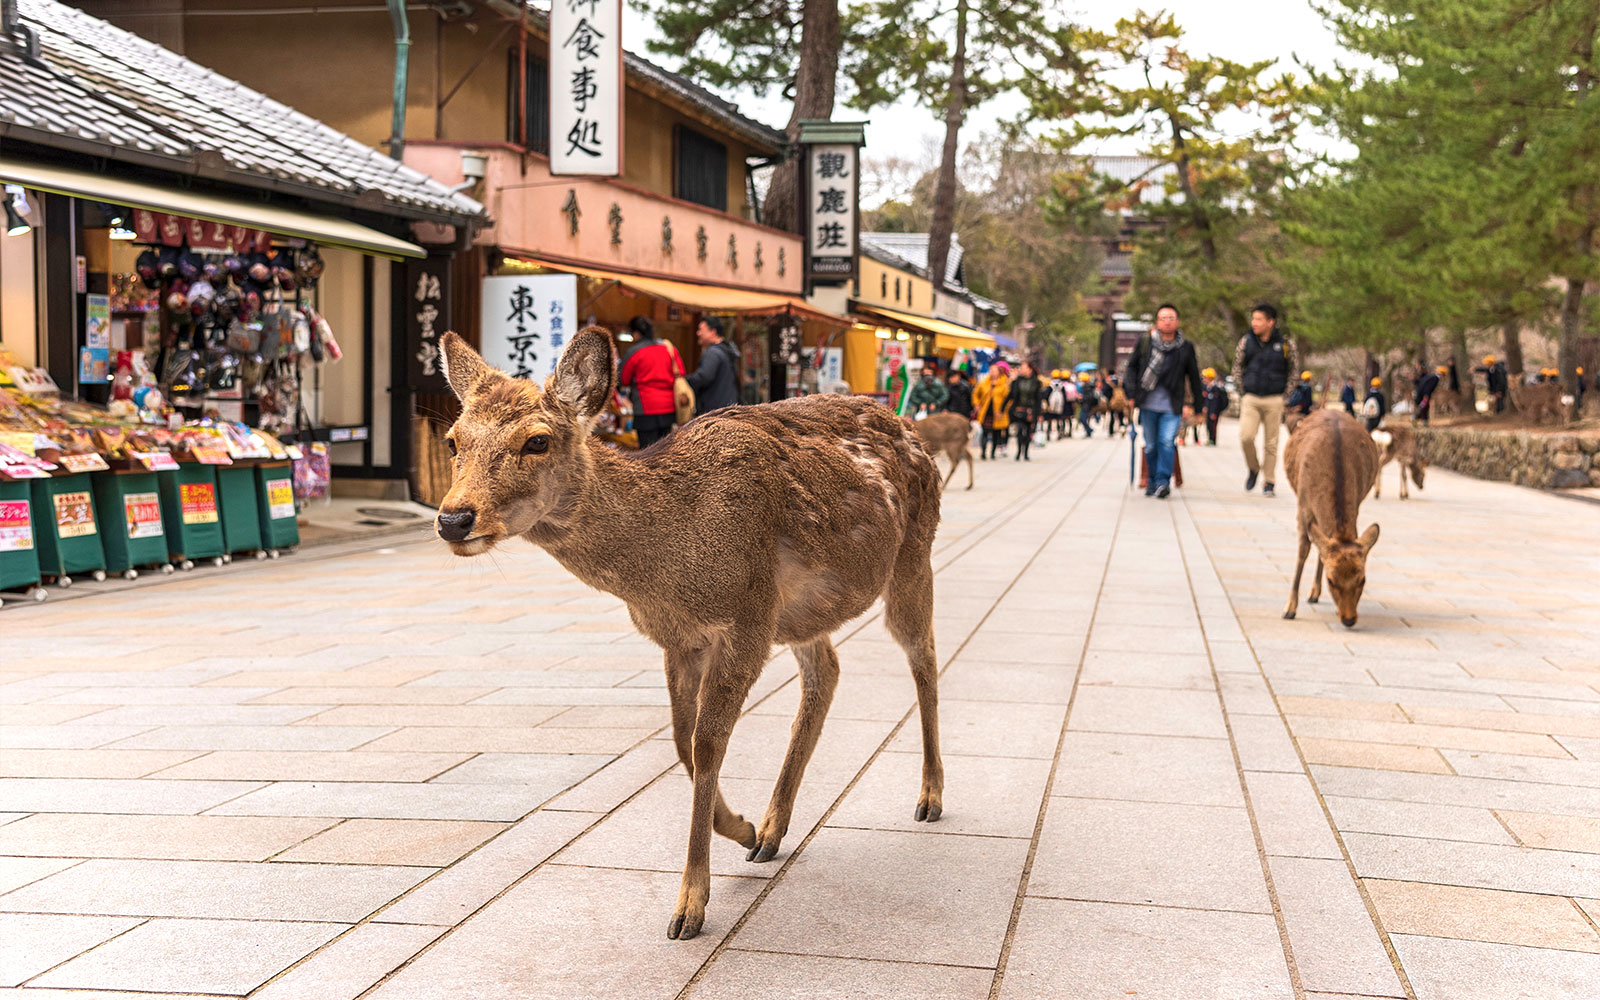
(79, 737)
(30, 943)
(1147, 638)
(482, 716)
(1233, 657)
(757, 747)
(1407, 697)
(985, 796)
(509, 739)
(205, 715)
(158, 696)
(527, 677)
(1263, 744)
(451, 896)
(1454, 790)
(1170, 855)
(315, 765)
(1289, 817)
(587, 945)
(1335, 946)
(550, 771)
(608, 787)
(109, 795)
(1560, 833)
(610, 716)
(425, 842)
(1246, 694)
(89, 763)
(741, 975)
(1520, 722)
(181, 838)
(1420, 734)
(1383, 756)
(566, 696)
(876, 894)
(996, 643)
(1416, 819)
(388, 800)
(351, 964)
(367, 695)
(1148, 712)
(1451, 911)
(869, 697)
(1449, 969)
(988, 729)
(1550, 706)
(254, 738)
(1184, 671)
(970, 680)
(1519, 768)
(224, 889)
(1486, 866)
(193, 956)
(1451, 678)
(1068, 949)
(1179, 769)
(1582, 747)
(49, 715)
(1341, 708)
(17, 872)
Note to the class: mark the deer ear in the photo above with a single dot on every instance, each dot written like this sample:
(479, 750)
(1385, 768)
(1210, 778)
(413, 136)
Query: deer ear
(467, 374)
(1368, 538)
(586, 375)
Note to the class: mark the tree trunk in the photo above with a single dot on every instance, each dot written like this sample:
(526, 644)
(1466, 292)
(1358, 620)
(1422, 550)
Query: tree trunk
(1422, 352)
(1511, 339)
(944, 193)
(1571, 330)
(1208, 243)
(1458, 350)
(813, 98)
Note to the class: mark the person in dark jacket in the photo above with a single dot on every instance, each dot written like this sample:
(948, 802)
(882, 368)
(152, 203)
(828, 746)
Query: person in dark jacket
(1301, 398)
(1088, 399)
(1027, 397)
(1422, 393)
(1262, 364)
(716, 381)
(1216, 404)
(929, 394)
(1495, 378)
(959, 398)
(1347, 396)
(1374, 406)
(649, 370)
(1159, 371)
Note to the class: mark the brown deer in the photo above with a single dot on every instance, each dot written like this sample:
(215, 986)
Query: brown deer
(747, 527)
(1399, 445)
(1540, 399)
(1331, 464)
(950, 435)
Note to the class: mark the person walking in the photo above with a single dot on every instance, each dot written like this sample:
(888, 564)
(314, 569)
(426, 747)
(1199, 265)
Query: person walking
(989, 409)
(1261, 366)
(716, 381)
(929, 394)
(1088, 399)
(1422, 394)
(649, 370)
(1159, 371)
(1494, 377)
(1216, 404)
(958, 395)
(1027, 394)
(1301, 398)
(1055, 406)
(1347, 396)
(1375, 405)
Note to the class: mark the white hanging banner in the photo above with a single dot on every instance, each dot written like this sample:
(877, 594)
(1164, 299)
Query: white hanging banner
(586, 87)
(831, 217)
(527, 320)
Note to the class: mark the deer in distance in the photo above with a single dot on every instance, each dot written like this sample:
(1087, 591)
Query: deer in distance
(1331, 463)
(950, 435)
(1399, 444)
(747, 527)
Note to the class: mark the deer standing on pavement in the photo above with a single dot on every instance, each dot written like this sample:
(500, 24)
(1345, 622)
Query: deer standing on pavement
(1331, 464)
(749, 526)
(950, 435)
(1399, 444)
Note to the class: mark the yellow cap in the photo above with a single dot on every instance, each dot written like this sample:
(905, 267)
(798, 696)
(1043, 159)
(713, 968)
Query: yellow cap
(1488, 359)
(1305, 376)
(1441, 370)
(1209, 373)
(1580, 369)
(1377, 382)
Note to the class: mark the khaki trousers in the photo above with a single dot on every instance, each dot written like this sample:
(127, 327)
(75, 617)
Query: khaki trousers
(1260, 413)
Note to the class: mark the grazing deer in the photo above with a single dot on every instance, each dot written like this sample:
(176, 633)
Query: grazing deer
(1540, 399)
(1331, 464)
(950, 435)
(747, 527)
(1399, 445)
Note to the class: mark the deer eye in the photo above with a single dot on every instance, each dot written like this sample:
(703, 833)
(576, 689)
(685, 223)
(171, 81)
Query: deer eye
(537, 445)
(451, 444)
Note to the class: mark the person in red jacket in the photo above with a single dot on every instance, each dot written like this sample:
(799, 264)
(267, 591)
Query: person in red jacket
(649, 370)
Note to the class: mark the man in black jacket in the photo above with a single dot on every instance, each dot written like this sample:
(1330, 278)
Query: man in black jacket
(716, 381)
(960, 398)
(1162, 366)
(1261, 368)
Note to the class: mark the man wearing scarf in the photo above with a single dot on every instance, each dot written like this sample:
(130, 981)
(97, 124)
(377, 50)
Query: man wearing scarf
(1163, 365)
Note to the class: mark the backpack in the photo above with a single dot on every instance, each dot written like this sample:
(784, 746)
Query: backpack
(1370, 408)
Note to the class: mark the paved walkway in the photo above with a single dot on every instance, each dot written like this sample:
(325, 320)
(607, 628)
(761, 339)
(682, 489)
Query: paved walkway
(399, 775)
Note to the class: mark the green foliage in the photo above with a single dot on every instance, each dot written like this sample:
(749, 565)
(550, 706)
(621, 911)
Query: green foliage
(730, 43)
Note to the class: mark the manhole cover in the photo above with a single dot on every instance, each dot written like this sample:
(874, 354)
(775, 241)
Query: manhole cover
(388, 513)
(369, 522)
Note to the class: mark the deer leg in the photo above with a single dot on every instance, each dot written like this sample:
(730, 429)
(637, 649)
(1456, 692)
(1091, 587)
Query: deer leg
(1316, 582)
(819, 677)
(1405, 494)
(1299, 570)
(731, 669)
(955, 463)
(908, 612)
(684, 672)
(967, 457)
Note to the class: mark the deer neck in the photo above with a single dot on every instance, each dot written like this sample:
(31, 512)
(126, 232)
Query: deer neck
(596, 532)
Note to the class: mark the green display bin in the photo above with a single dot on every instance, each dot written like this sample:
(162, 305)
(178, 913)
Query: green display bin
(128, 505)
(275, 495)
(65, 528)
(189, 514)
(19, 546)
(241, 521)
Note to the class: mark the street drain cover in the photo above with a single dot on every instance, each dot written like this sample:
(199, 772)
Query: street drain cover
(369, 522)
(387, 513)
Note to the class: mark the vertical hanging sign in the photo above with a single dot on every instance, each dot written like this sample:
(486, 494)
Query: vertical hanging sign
(426, 317)
(586, 87)
(832, 193)
(527, 320)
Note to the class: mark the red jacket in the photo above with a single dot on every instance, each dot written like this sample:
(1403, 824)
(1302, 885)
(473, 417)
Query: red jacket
(651, 368)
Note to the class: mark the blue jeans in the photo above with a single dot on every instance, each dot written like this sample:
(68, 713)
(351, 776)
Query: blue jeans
(1160, 444)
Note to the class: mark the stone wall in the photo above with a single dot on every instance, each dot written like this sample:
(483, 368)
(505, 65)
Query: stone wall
(1544, 460)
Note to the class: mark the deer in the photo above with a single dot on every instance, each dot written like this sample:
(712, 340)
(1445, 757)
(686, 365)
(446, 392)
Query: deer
(747, 527)
(1539, 399)
(1399, 444)
(1331, 463)
(950, 435)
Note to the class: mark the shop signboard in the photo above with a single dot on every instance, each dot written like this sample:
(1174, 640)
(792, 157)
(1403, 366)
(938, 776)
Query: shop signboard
(527, 320)
(832, 193)
(87, 462)
(427, 314)
(280, 498)
(143, 513)
(16, 529)
(586, 87)
(832, 369)
(74, 514)
(169, 230)
(199, 502)
(155, 461)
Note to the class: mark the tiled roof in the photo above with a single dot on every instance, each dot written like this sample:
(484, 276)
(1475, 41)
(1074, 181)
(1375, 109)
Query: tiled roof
(988, 305)
(913, 249)
(107, 91)
(1127, 169)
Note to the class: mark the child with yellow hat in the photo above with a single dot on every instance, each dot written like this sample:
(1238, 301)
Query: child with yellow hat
(1375, 405)
(1215, 400)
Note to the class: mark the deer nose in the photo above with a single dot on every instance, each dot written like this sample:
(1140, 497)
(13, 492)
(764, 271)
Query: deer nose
(456, 525)
(1348, 622)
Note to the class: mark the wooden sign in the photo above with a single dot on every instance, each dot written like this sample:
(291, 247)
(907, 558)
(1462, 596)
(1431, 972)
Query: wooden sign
(74, 514)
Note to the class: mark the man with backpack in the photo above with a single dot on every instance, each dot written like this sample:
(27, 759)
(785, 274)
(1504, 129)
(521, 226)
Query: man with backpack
(1261, 366)
(1374, 406)
(716, 381)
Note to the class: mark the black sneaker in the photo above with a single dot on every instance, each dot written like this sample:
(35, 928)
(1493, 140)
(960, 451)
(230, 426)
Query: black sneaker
(1164, 492)
(1250, 482)
(1149, 491)
(1266, 491)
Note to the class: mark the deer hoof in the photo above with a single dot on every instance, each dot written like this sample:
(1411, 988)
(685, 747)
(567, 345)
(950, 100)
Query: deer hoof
(1288, 614)
(685, 926)
(1310, 600)
(928, 812)
(763, 852)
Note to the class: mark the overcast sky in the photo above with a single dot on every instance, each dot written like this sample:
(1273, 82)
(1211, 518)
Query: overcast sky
(1243, 30)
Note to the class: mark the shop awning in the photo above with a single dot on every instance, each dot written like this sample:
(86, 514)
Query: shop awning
(707, 298)
(274, 219)
(946, 335)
